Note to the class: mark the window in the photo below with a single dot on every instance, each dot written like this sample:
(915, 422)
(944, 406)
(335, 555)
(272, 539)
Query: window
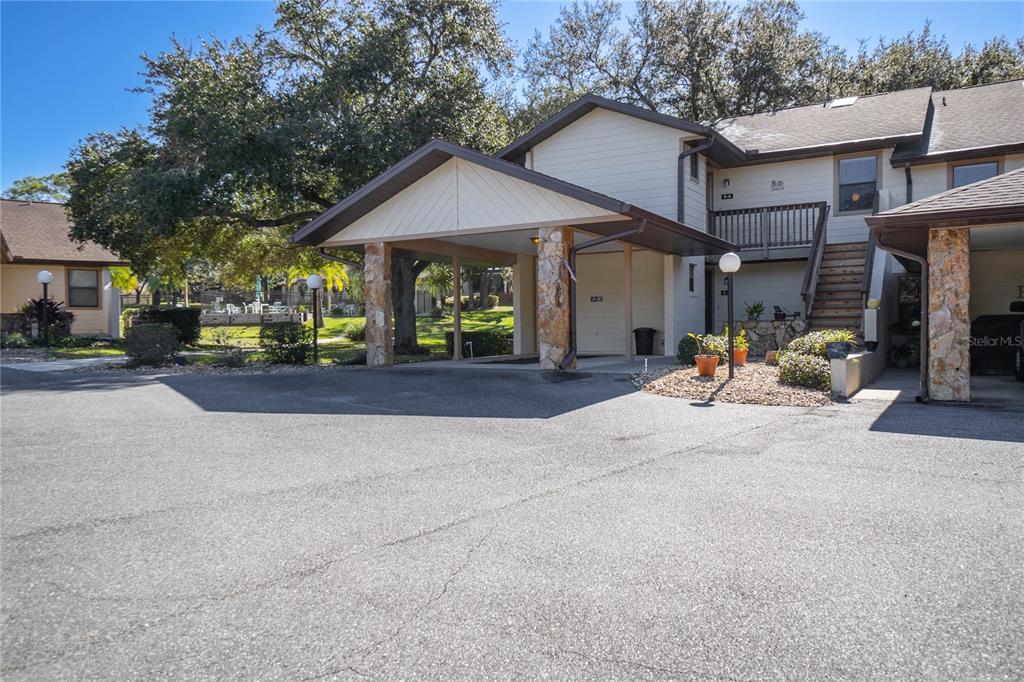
(694, 167)
(973, 172)
(83, 289)
(858, 182)
(693, 278)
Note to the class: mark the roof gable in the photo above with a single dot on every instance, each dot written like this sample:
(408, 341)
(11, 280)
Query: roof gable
(37, 232)
(462, 196)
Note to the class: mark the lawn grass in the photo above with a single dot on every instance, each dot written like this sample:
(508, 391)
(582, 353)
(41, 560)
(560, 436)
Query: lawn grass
(89, 352)
(430, 331)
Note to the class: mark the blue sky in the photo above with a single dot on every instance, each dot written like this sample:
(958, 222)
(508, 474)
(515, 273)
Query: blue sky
(67, 67)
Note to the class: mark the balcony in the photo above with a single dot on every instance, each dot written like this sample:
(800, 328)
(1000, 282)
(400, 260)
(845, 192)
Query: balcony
(771, 232)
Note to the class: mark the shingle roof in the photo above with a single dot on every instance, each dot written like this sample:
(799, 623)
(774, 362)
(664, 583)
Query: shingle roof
(875, 117)
(976, 118)
(1004, 191)
(38, 232)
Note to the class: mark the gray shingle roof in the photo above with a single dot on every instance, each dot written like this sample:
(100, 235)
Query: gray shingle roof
(998, 192)
(885, 116)
(38, 232)
(971, 119)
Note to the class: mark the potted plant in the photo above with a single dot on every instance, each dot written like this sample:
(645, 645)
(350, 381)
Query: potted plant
(754, 310)
(740, 347)
(706, 358)
(780, 314)
(839, 343)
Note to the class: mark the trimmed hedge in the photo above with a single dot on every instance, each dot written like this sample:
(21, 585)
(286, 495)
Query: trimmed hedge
(814, 343)
(485, 342)
(185, 320)
(152, 343)
(286, 342)
(805, 370)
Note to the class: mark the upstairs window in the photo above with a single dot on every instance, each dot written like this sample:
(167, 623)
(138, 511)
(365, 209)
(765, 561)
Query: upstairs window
(968, 173)
(694, 167)
(83, 289)
(693, 278)
(858, 183)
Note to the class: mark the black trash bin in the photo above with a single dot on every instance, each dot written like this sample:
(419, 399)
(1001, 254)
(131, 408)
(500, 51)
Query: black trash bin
(644, 337)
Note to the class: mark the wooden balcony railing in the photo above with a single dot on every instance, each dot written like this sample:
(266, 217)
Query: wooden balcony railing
(769, 227)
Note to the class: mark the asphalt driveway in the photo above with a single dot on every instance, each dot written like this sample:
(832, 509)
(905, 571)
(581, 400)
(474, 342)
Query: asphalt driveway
(506, 525)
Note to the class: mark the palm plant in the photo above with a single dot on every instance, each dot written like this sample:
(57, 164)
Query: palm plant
(436, 280)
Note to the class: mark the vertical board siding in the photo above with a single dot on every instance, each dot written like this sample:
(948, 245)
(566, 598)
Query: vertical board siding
(601, 326)
(625, 158)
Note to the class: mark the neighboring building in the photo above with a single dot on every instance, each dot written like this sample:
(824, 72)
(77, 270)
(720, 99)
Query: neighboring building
(788, 190)
(35, 237)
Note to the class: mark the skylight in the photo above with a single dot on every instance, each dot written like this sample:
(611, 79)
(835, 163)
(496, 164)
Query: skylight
(842, 102)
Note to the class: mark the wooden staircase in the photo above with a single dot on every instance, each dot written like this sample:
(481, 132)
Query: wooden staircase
(837, 297)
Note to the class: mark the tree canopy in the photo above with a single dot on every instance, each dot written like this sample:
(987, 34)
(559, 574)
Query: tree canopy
(39, 188)
(705, 59)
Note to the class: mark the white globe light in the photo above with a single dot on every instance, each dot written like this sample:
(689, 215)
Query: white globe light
(44, 277)
(313, 281)
(729, 262)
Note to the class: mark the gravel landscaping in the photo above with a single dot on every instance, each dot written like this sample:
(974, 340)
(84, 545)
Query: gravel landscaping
(753, 384)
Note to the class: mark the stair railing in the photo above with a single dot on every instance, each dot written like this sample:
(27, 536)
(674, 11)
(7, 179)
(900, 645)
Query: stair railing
(813, 270)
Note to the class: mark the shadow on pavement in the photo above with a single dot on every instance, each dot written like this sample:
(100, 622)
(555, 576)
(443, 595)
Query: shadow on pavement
(968, 420)
(420, 392)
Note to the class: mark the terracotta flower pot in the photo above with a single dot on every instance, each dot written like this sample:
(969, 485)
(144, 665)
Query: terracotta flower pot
(739, 356)
(706, 364)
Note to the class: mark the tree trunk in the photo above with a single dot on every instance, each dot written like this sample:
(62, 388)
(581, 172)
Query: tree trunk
(155, 298)
(404, 272)
(186, 293)
(485, 288)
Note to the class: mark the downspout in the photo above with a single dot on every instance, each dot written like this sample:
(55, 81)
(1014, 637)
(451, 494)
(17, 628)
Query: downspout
(922, 394)
(571, 265)
(681, 174)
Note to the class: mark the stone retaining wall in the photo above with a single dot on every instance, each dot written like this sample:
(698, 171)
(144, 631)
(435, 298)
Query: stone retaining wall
(766, 335)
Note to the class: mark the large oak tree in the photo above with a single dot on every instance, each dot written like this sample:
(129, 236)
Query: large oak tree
(260, 135)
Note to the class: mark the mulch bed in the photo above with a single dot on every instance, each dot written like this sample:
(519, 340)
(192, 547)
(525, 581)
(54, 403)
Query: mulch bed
(753, 384)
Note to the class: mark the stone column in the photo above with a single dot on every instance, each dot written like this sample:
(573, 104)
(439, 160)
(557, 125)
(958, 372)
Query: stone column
(949, 320)
(553, 295)
(380, 336)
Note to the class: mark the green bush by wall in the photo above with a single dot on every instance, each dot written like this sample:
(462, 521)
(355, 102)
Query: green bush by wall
(286, 342)
(185, 320)
(485, 342)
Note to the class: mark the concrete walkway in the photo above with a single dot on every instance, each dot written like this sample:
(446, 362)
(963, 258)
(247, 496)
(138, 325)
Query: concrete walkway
(604, 364)
(64, 365)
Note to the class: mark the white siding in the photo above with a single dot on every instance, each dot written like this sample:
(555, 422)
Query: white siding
(803, 181)
(601, 325)
(623, 157)
(774, 283)
(460, 195)
(928, 180)
(1014, 161)
(684, 311)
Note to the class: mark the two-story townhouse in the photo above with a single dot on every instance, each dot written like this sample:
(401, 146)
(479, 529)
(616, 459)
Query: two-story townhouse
(613, 216)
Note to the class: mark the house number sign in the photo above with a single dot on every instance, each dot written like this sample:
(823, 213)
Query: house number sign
(597, 299)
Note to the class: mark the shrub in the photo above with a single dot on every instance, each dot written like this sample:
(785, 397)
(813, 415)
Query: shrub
(14, 340)
(686, 350)
(485, 342)
(356, 331)
(805, 370)
(185, 320)
(71, 341)
(234, 357)
(814, 343)
(152, 343)
(286, 342)
(57, 316)
(754, 310)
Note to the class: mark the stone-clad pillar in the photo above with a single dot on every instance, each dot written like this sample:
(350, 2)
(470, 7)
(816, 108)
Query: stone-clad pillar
(949, 319)
(553, 295)
(380, 336)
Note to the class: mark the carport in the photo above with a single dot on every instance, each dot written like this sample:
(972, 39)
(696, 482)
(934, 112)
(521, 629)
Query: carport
(451, 204)
(968, 244)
